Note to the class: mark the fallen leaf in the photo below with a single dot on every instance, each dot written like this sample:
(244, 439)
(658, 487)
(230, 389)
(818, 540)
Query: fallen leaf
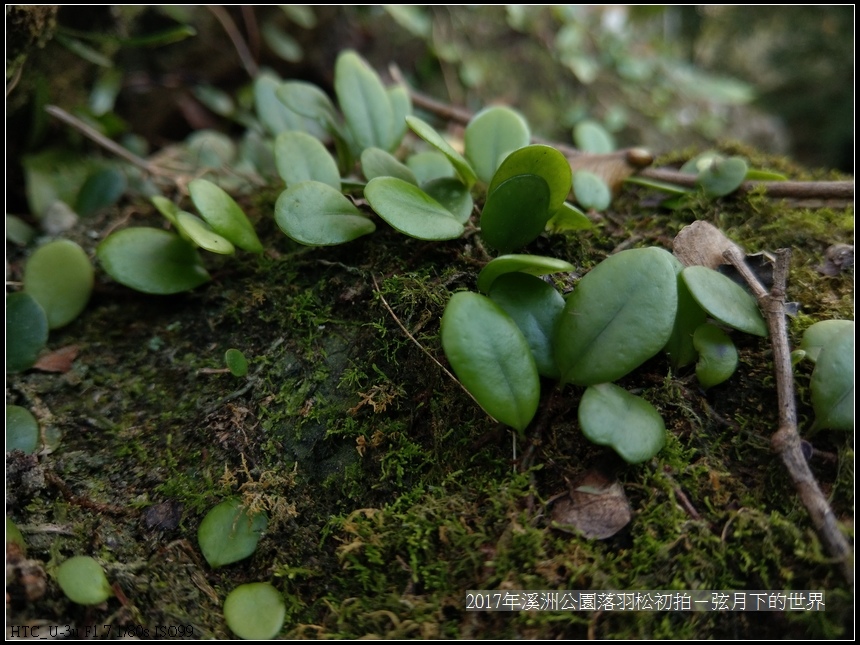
(702, 244)
(596, 507)
(59, 361)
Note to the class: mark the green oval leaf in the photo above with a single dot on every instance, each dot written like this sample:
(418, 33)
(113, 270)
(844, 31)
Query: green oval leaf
(410, 210)
(307, 100)
(201, 234)
(18, 231)
(568, 218)
(453, 195)
(461, 166)
(102, 188)
(535, 307)
(211, 149)
(59, 276)
(618, 316)
(722, 176)
(545, 162)
(492, 135)
(688, 318)
(83, 581)
(316, 214)
(22, 430)
(632, 427)
(401, 107)
(429, 165)
(151, 260)
(229, 533)
(590, 136)
(273, 114)
(26, 331)
(832, 383)
(820, 334)
(236, 362)
(301, 157)
(224, 215)
(364, 103)
(167, 208)
(492, 358)
(531, 264)
(255, 611)
(375, 162)
(724, 300)
(591, 191)
(718, 358)
(516, 212)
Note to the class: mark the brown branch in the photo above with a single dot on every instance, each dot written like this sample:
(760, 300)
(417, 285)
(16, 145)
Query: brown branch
(786, 440)
(239, 44)
(843, 190)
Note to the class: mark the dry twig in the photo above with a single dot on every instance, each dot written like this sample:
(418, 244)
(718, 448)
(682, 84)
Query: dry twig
(786, 440)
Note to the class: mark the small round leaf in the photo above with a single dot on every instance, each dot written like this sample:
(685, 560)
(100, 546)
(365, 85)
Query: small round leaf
(83, 580)
(430, 165)
(151, 260)
(26, 331)
(821, 334)
(724, 300)
(453, 195)
(722, 176)
(591, 191)
(364, 103)
(590, 136)
(22, 430)
(611, 416)
(516, 212)
(410, 210)
(545, 162)
(718, 358)
(236, 362)
(102, 188)
(832, 383)
(199, 232)
(426, 132)
(255, 611)
(301, 157)
(59, 276)
(491, 135)
(492, 358)
(376, 162)
(228, 533)
(316, 214)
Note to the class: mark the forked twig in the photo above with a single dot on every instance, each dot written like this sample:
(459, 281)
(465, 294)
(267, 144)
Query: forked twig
(786, 440)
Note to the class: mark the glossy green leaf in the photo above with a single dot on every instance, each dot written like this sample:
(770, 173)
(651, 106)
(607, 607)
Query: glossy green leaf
(401, 107)
(492, 358)
(308, 100)
(255, 611)
(723, 176)
(590, 191)
(201, 234)
(821, 334)
(832, 383)
(461, 166)
(410, 210)
(301, 157)
(515, 212)
(167, 208)
(568, 218)
(632, 427)
(316, 214)
(535, 307)
(718, 358)
(83, 580)
(364, 103)
(688, 318)
(224, 215)
(531, 264)
(151, 260)
(724, 300)
(229, 533)
(453, 195)
(429, 165)
(102, 188)
(59, 276)
(26, 331)
(375, 162)
(492, 135)
(618, 316)
(236, 362)
(22, 430)
(273, 114)
(589, 136)
(543, 161)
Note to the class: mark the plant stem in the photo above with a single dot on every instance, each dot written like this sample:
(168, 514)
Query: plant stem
(786, 440)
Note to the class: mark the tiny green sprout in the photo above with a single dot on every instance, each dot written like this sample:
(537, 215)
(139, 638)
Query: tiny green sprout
(236, 362)
(83, 580)
(255, 611)
(718, 358)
